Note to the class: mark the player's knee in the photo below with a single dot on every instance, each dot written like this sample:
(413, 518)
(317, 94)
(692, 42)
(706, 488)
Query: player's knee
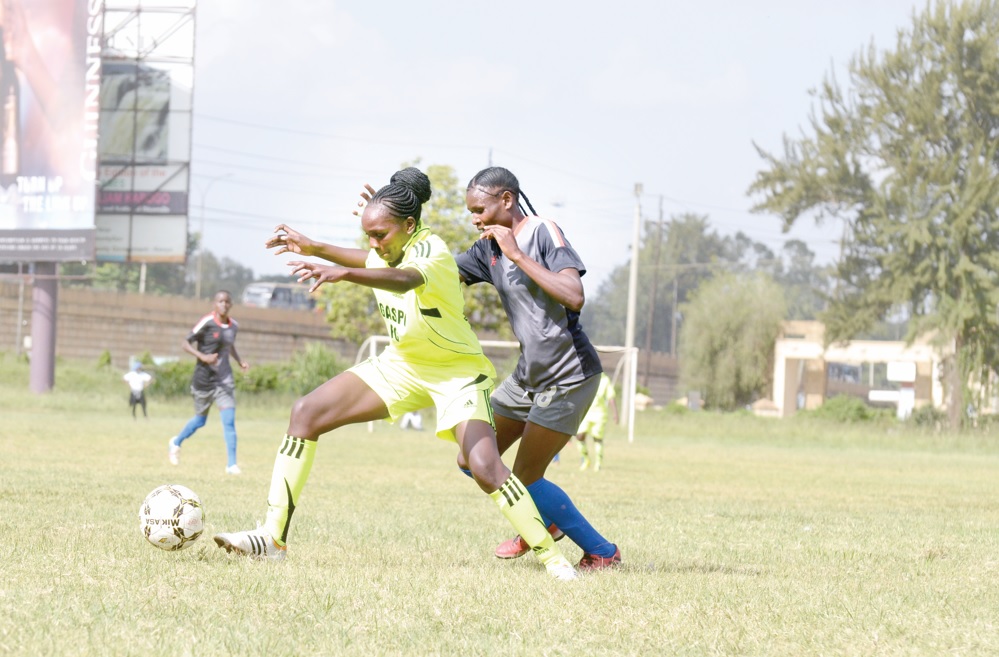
(303, 411)
(488, 475)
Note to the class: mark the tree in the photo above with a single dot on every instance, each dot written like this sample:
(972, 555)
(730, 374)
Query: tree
(353, 314)
(907, 158)
(805, 284)
(731, 324)
(689, 253)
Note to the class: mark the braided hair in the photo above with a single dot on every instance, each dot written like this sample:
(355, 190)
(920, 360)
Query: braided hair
(503, 180)
(405, 194)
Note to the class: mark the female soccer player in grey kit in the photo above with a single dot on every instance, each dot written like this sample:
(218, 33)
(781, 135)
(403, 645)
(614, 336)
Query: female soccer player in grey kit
(537, 274)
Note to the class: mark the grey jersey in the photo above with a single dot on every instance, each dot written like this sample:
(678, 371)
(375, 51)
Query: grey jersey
(554, 350)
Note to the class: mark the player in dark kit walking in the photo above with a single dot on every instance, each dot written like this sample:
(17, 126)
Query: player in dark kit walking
(212, 341)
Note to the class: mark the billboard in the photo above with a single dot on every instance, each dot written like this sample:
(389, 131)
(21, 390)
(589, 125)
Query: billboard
(145, 128)
(50, 69)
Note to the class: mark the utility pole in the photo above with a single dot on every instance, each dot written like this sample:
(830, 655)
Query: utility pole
(651, 319)
(628, 386)
(672, 334)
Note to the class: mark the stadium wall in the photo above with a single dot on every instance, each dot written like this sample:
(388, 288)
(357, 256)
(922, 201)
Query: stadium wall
(126, 324)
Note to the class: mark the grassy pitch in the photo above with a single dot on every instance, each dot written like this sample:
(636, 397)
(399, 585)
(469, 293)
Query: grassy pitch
(741, 536)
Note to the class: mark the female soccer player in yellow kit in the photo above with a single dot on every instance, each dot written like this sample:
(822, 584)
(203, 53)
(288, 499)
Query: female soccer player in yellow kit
(433, 359)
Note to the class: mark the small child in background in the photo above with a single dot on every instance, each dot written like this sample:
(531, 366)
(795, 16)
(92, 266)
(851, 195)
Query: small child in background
(137, 380)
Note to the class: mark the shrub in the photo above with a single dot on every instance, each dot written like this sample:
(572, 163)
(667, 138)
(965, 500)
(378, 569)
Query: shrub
(261, 378)
(845, 408)
(173, 379)
(928, 416)
(312, 367)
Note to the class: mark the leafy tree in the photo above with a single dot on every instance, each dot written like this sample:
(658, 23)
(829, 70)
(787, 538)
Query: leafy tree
(805, 284)
(687, 254)
(731, 324)
(353, 314)
(907, 158)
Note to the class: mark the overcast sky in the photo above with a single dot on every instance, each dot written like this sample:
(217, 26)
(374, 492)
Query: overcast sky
(297, 107)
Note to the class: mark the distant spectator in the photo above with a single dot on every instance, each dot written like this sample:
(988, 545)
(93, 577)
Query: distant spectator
(137, 380)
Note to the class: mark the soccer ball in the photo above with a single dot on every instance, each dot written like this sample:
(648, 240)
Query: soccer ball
(171, 517)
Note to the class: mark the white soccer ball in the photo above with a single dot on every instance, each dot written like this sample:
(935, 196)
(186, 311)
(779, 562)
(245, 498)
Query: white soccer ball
(171, 517)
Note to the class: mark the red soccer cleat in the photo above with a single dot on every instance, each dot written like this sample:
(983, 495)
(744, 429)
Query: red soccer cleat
(518, 547)
(594, 562)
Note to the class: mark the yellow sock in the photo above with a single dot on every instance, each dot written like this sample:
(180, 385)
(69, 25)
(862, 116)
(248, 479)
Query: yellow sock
(517, 506)
(291, 471)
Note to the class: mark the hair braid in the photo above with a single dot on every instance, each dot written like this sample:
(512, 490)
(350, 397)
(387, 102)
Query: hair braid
(503, 179)
(405, 194)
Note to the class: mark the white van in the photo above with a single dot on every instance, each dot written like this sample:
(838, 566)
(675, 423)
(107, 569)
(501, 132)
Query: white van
(290, 296)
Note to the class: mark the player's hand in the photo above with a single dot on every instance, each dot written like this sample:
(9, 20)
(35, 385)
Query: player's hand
(244, 366)
(322, 273)
(210, 359)
(366, 195)
(503, 236)
(289, 240)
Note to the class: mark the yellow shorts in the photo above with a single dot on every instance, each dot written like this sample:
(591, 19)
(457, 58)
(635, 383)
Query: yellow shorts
(458, 395)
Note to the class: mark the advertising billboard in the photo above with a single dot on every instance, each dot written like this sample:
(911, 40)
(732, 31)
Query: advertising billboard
(50, 68)
(145, 132)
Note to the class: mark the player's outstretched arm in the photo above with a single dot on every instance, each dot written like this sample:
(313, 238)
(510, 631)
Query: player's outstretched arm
(288, 240)
(387, 278)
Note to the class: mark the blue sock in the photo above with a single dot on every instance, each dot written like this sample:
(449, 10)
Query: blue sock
(192, 425)
(228, 416)
(553, 503)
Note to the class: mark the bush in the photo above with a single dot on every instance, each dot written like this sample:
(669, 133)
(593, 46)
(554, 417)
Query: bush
(845, 408)
(929, 417)
(312, 367)
(173, 379)
(261, 378)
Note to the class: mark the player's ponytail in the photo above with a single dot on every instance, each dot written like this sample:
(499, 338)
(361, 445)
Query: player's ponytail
(405, 194)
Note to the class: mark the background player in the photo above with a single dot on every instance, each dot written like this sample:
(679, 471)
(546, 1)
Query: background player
(595, 423)
(212, 341)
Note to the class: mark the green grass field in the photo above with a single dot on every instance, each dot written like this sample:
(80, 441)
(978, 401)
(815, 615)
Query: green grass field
(741, 536)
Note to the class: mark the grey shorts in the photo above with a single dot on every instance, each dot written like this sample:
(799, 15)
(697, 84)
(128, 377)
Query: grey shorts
(222, 396)
(559, 408)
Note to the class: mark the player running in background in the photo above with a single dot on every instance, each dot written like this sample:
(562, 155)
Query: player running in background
(433, 359)
(595, 423)
(212, 341)
(537, 274)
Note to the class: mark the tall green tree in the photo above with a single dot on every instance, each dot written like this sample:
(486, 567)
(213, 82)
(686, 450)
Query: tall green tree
(687, 253)
(352, 312)
(731, 325)
(906, 156)
(677, 257)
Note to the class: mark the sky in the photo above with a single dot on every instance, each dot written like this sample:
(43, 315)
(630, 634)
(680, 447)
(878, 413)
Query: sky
(295, 110)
